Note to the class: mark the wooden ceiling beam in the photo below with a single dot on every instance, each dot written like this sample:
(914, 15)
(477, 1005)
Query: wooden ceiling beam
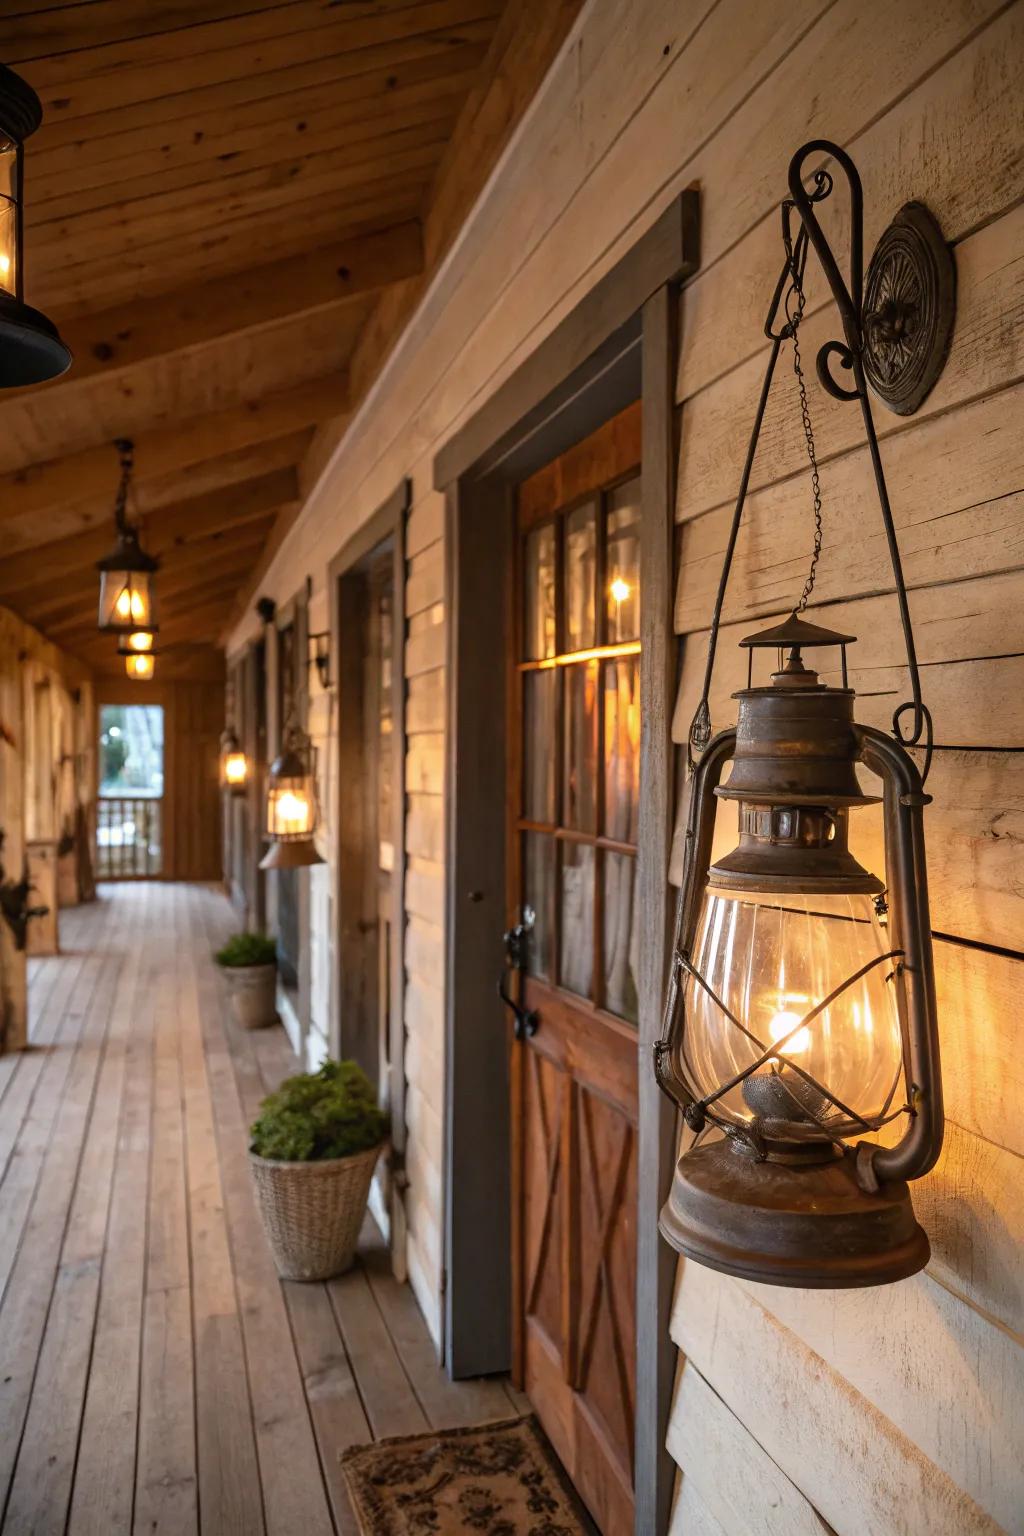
(155, 122)
(122, 232)
(56, 589)
(77, 618)
(140, 332)
(139, 175)
(125, 73)
(525, 41)
(79, 477)
(108, 154)
(183, 526)
(283, 525)
(31, 31)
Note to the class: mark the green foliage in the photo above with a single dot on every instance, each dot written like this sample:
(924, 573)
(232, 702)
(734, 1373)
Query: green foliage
(317, 1115)
(247, 949)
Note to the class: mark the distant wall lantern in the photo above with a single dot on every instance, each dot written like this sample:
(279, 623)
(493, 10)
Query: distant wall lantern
(800, 1018)
(127, 574)
(31, 350)
(320, 656)
(140, 667)
(234, 765)
(292, 808)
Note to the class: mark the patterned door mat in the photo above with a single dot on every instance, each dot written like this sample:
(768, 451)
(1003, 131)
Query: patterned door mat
(498, 1479)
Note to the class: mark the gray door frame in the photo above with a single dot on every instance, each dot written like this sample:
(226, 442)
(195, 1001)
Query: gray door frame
(617, 345)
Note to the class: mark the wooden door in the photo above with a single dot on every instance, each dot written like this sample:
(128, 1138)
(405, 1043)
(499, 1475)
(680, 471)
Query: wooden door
(573, 833)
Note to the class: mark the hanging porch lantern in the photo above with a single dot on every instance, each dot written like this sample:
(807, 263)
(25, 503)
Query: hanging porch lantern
(292, 808)
(140, 667)
(31, 350)
(800, 1018)
(138, 641)
(127, 574)
(234, 765)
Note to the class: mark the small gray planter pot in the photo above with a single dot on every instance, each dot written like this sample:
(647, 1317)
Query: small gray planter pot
(253, 992)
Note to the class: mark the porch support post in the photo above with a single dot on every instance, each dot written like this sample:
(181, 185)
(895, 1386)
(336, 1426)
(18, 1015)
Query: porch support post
(657, 1133)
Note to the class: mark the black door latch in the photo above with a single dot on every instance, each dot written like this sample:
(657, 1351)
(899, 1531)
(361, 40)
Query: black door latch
(526, 1019)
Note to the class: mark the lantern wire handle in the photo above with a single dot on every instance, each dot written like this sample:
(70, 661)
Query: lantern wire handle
(849, 302)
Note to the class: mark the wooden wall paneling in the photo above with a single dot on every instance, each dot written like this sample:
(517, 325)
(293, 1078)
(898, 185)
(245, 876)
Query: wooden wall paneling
(755, 1363)
(756, 1498)
(716, 423)
(13, 973)
(935, 124)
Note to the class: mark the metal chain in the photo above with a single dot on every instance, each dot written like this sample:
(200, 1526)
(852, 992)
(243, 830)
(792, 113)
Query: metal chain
(795, 318)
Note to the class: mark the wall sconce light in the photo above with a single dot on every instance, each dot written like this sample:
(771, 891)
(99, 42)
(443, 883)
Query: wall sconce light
(293, 812)
(320, 655)
(31, 350)
(234, 765)
(140, 667)
(800, 1016)
(127, 585)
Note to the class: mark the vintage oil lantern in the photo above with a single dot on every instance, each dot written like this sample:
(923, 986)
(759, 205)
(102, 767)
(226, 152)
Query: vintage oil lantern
(800, 1023)
(127, 574)
(31, 350)
(234, 765)
(292, 807)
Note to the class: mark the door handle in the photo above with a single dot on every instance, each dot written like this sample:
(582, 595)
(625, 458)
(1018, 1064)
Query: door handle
(525, 1020)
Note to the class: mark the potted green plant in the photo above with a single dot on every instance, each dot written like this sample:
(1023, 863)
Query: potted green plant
(249, 963)
(312, 1156)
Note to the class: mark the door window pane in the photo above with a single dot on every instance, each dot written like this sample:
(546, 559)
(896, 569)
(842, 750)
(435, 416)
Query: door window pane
(622, 563)
(580, 558)
(539, 898)
(540, 757)
(577, 952)
(620, 937)
(580, 755)
(539, 591)
(621, 747)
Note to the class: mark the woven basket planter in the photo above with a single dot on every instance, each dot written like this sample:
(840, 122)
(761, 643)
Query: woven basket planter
(253, 992)
(313, 1211)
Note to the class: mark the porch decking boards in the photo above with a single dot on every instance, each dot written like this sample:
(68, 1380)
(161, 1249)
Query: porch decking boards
(155, 1375)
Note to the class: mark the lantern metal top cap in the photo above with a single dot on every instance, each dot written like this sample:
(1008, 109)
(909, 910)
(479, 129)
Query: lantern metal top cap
(288, 765)
(21, 111)
(128, 554)
(795, 632)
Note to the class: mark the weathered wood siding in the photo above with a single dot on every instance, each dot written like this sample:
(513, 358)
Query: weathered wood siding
(893, 1413)
(47, 788)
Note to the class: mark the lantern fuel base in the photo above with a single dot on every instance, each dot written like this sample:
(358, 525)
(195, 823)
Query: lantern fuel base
(800, 1037)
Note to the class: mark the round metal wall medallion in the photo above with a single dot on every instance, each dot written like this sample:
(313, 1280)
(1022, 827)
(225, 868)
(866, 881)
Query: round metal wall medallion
(909, 308)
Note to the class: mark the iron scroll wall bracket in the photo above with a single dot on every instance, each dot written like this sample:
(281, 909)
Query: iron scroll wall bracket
(897, 328)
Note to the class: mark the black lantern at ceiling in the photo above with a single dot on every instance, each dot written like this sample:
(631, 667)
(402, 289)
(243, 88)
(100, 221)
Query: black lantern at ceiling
(127, 585)
(800, 1019)
(31, 350)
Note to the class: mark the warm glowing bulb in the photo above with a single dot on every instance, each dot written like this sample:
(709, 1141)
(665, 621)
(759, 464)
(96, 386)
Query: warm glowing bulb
(291, 812)
(781, 1023)
(5, 265)
(139, 667)
(620, 589)
(141, 640)
(138, 607)
(124, 603)
(235, 768)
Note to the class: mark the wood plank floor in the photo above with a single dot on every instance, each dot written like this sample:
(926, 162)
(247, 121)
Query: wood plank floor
(155, 1375)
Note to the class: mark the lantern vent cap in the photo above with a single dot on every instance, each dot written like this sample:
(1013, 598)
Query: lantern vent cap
(795, 633)
(128, 554)
(21, 111)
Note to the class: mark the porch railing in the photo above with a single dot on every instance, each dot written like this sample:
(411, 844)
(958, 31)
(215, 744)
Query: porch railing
(129, 841)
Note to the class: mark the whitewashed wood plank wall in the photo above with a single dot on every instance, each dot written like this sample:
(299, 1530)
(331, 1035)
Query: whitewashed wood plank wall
(899, 1413)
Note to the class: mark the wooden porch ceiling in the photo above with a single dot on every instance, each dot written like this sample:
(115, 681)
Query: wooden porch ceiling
(232, 207)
